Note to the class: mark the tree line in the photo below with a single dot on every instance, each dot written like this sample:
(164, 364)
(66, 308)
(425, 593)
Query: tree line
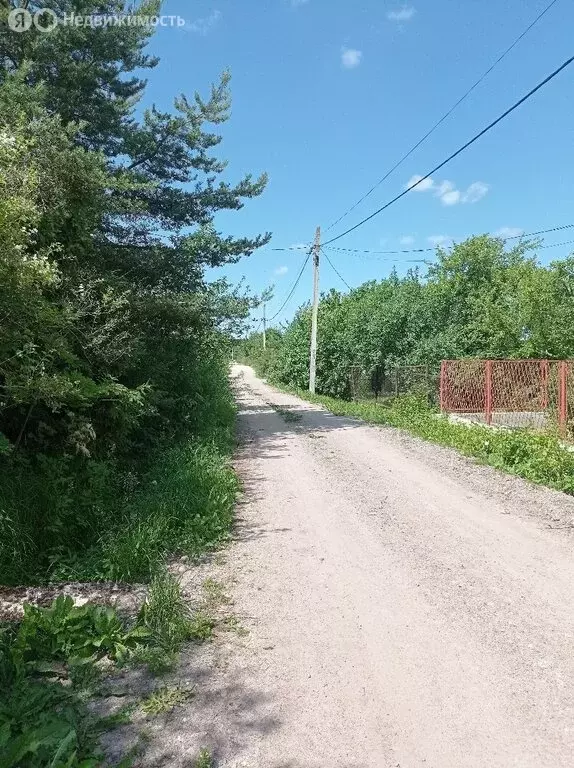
(478, 299)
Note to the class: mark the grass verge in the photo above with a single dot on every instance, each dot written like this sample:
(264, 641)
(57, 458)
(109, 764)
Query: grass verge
(185, 506)
(539, 457)
(72, 518)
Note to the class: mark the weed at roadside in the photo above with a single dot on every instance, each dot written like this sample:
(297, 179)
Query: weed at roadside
(204, 759)
(165, 700)
(215, 594)
(47, 674)
(232, 624)
(165, 614)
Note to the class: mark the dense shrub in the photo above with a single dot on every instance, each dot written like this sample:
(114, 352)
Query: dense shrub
(113, 391)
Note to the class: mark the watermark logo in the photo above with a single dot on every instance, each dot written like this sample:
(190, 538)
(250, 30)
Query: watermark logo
(45, 20)
(20, 20)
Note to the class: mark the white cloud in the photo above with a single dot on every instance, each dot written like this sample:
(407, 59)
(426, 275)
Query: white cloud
(407, 240)
(475, 192)
(509, 232)
(447, 192)
(441, 241)
(280, 271)
(405, 13)
(422, 187)
(297, 3)
(204, 25)
(450, 198)
(350, 58)
(444, 187)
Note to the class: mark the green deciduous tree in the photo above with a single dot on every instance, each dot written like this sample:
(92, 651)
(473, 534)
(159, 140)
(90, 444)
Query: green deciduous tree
(480, 299)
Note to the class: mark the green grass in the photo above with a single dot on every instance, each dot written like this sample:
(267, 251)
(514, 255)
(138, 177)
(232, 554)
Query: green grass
(48, 672)
(105, 531)
(166, 615)
(215, 593)
(185, 505)
(165, 700)
(204, 759)
(68, 519)
(539, 457)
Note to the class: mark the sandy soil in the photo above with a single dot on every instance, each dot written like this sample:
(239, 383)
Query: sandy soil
(405, 607)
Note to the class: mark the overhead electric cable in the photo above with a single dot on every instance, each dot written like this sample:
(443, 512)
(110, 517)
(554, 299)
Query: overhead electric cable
(444, 117)
(292, 291)
(433, 248)
(336, 271)
(423, 250)
(461, 149)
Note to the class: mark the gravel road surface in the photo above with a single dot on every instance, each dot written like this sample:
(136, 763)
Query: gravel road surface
(406, 607)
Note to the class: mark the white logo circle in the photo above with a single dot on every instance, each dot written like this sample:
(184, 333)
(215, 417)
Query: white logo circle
(19, 20)
(45, 19)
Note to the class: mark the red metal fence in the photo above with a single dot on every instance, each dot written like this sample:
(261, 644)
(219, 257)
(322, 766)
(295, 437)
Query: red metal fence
(513, 393)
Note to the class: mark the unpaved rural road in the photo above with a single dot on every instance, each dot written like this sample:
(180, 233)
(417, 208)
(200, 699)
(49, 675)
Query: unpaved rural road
(406, 608)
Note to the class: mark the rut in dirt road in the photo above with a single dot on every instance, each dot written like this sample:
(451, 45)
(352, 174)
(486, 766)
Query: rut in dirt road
(407, 608)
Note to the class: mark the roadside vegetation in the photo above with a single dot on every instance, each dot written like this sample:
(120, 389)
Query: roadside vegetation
(116, 418)
(57, 661)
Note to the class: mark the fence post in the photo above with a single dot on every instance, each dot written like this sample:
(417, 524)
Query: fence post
(562, 396)
(544, 369)
(442, 386)
(488, 392)
(396, 382)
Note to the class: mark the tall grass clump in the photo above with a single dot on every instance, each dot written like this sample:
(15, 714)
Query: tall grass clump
(185, 506)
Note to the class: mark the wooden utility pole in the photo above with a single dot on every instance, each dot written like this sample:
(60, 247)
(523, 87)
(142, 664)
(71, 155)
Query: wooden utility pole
(264, 329)
(313, 362)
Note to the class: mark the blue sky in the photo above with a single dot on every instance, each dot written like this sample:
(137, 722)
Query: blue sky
(328, 94)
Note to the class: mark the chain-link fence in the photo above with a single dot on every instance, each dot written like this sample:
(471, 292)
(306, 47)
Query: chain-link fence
(515, 393)
(400, 380)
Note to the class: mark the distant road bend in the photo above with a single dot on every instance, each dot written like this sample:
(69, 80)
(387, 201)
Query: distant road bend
(407, 607)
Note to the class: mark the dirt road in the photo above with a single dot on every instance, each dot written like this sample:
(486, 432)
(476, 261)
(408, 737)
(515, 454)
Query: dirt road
(405, 607)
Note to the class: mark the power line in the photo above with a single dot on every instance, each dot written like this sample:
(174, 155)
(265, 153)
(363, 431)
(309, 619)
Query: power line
(291, 248)
(541, 232)
(292, 291)
(425, 250)
(335, 270)
(417, 261)
(458, 151)
(433, 248)
(555, 245)
(360, 250)
(426, 261)
(444, 117)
